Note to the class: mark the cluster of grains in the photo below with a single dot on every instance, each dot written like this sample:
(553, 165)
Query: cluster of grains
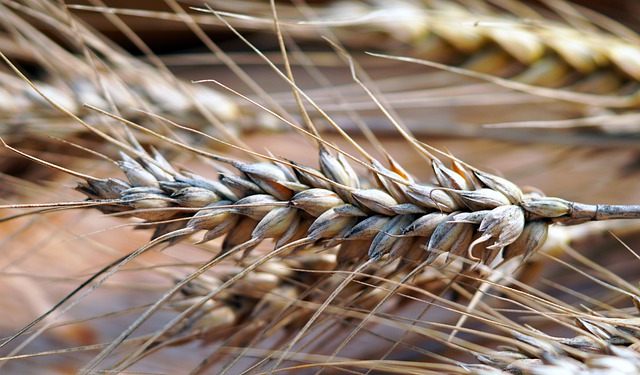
(609, 345)
(382, 231)
(278, 295)
(465, 213)
(556, 55)
(24, 111)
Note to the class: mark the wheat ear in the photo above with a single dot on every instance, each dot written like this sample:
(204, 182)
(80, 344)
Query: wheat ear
(468, 216)
(475, 220)
(80, 66)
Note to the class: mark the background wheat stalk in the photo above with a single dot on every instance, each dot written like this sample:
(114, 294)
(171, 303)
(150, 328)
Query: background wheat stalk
(283, 308)
(586, 58)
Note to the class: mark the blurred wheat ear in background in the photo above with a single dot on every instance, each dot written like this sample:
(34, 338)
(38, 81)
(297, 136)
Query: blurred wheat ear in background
(151, 224)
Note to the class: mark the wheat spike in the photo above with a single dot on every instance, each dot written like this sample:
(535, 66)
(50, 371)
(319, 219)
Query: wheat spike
(599, 58)
(338, 204)
(479, 220)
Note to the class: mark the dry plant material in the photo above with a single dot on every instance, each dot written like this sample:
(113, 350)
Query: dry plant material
(599, 58)
(608, 349)
(561, 53)
(488, 38)
(602, 339)
(551, 50)
(465, 222)
(472, 214)
(370, 223)
(75, 65)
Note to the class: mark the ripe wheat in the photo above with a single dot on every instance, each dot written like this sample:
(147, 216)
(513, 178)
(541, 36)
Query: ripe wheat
(581, 66)
(371, 224)
(550, 50)
(477, 222)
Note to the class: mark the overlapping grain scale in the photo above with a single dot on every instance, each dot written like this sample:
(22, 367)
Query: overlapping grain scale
(472, 215)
